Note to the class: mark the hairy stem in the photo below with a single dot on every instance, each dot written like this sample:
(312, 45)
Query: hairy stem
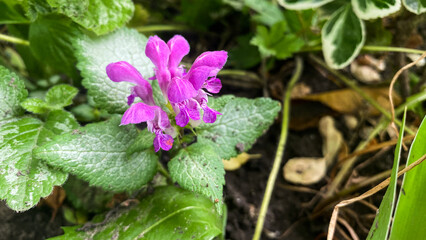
(280, 150)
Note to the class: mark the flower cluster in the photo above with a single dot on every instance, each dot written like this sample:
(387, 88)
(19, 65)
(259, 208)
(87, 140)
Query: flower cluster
(186, 91)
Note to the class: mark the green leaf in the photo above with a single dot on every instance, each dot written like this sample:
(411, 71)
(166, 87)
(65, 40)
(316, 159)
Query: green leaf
(410, 209)
(244, 55)
(12, 93)
(97, 153)
(83, 196)
(198, 14)
(57, 97)
(23, 178)
(94, 54)
(50, 39)
(35, 105)
(380, 228)
(302, 4)
(269, 13)
(61, 95)
(242, 122)
(13, 12)
(99, 16)
(415, 6)
(277, 41)
(199, 169)
(339, 45)
(370, 9)
(170, 213)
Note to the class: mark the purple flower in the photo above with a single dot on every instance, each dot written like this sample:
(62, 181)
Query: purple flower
(186, 91)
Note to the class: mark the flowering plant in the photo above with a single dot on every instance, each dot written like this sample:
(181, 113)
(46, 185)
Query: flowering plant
(183, 91)
(113, 153)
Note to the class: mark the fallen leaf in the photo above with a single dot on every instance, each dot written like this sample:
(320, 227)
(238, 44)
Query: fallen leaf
(413, 57)
(305, 170)
(351, 121)
(236, 162)
(350, 102)
(332, 139)
(300, 90)
(55, 200)
(365, 73)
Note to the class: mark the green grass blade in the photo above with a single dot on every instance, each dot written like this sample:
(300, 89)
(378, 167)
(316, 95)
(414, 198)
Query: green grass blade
(410, 213)
(380, 228)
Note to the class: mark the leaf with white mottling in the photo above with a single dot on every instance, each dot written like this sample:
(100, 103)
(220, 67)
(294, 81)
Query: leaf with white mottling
(415, 6)
(94, 54)
(340, 45)
(23, 178)
(170, 213)
(242, 122)
(100, 16)
(370, 9)
(97, 153)
(302, 4)
(12, 93)
(199, 169)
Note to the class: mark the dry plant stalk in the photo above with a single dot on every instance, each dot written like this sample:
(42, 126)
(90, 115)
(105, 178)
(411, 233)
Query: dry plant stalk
(385, 183)
(395, 77)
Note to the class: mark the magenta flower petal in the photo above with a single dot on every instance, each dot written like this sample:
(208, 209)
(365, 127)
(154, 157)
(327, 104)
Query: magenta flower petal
(131, 99)
(179, 48)
(197, 76)
(213, 85)
(124, 72)
(137, 113)
(145, 93)
(162, 119)
(216, 59)
(180, 89)
(163, 141)
(210, 115)
(158, 51)
(182, 118)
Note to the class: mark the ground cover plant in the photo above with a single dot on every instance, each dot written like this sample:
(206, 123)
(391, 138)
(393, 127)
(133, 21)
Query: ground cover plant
(212, 119)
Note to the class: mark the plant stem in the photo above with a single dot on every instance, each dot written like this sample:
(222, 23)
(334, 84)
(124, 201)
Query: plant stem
(163, 170)
(10, 39)
(368, 48)
(350, 83)
(391, 49)
(161, 28)
(280, 150)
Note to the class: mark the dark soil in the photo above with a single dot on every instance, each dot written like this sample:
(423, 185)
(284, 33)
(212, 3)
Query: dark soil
(32, 224)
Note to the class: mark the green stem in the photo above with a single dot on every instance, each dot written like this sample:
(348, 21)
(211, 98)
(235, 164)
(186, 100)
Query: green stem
(10, 39)
(280, 150)
(391, 49)
(368, 48)
(352, 84)
(161, 28)
(163, 170)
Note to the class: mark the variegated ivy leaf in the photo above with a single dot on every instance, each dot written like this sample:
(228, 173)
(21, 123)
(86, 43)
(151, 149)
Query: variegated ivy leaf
(302, 4)
(343, 36)
(370, 9)
(415, 6)
(98, 154)
(23, 178)
(94, 54)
